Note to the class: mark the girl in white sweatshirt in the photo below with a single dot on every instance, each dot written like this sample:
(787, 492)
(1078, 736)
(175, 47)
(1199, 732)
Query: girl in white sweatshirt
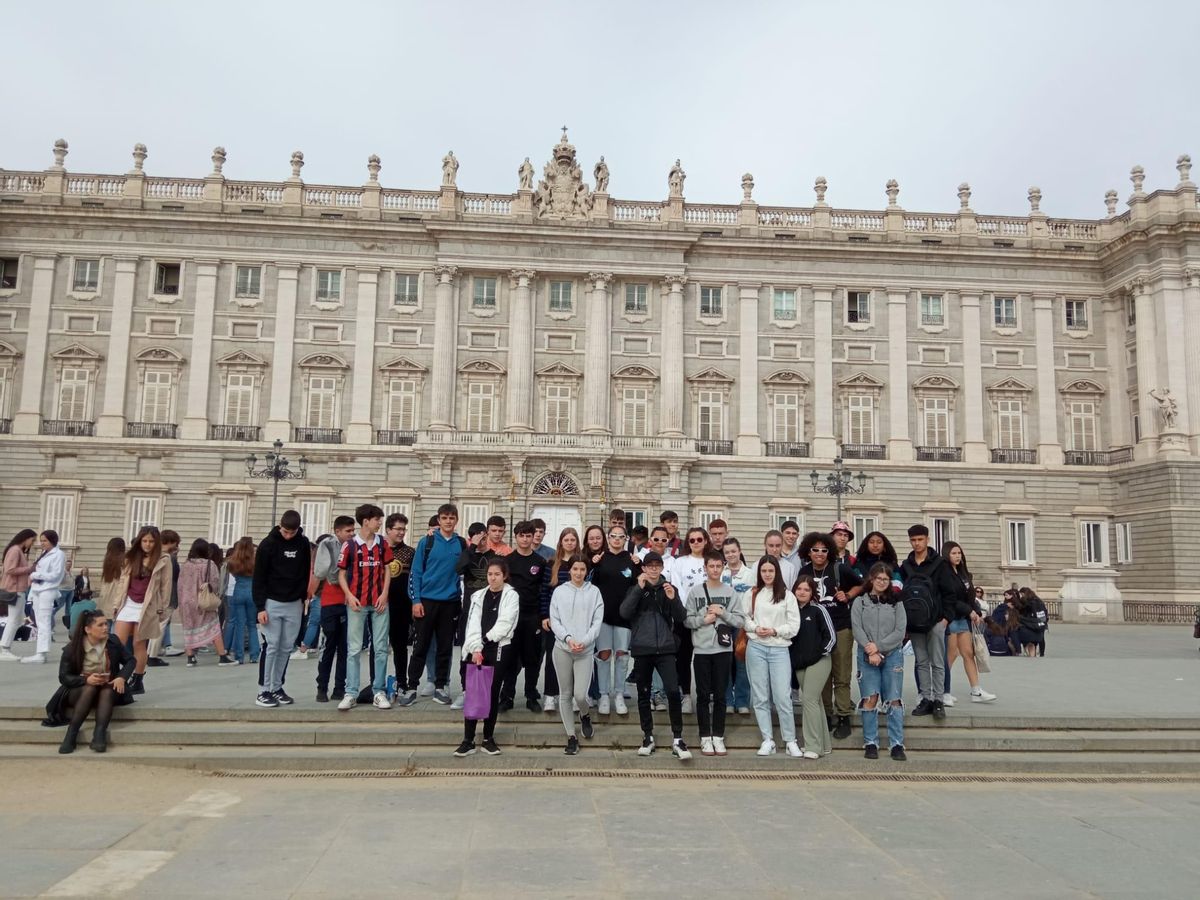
(576, 614)
(490, 625)
(43, 591)
(773, 621)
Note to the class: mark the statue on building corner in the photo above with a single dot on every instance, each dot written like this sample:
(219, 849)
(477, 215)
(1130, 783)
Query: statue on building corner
(525, 173)
(1167, 407)
(449, 169)
(675, 179)
(601, 175)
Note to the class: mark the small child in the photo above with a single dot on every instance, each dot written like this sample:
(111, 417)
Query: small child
(879, 623)
(714, 613)
(490, 625)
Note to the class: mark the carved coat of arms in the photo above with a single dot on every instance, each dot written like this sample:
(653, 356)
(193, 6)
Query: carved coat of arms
(562, 193)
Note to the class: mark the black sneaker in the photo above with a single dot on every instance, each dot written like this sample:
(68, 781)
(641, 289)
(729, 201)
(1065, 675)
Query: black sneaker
(284, 699)
(505, 706)
(466, 748)
(843, 728)
(572, 746)
(155, 661)
(939, 709)
(924, 708)
(406, 698)
(137, 684)
(191, 661)
(322, 696)
(226, 660)
(490, 748)
(898, 753)
(533, 706)
(337, 695)
(440, 695)
(871, 752)
(585, 723)
(266, 700)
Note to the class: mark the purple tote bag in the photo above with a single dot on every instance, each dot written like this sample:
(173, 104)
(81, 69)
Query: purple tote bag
(478, 698)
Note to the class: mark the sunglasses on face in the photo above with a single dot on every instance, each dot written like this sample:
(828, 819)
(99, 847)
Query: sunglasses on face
(820, 550)
(616, 537)
(695, 540)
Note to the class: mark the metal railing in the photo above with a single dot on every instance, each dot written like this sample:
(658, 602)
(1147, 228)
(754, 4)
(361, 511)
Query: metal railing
(715, 448)
(1053, 610)
(1087, 457)
(864, 451)
(787, 448)
(939, 454)
(68, 427)
(1013, 456)
(395, 438)
(160, 430)
(318, 436)
(1160, 613)
(233, 432)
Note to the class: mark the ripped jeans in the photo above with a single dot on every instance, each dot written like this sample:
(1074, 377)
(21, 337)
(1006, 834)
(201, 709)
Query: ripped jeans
(886, 681)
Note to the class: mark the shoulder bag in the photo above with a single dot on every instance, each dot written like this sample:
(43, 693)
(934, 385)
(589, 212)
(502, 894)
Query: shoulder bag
(742, 642)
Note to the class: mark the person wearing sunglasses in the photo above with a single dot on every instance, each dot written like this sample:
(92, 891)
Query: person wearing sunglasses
(614, 573)
(687, 571)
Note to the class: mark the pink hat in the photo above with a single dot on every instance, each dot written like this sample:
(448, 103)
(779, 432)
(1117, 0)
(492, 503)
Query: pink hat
(842, 526)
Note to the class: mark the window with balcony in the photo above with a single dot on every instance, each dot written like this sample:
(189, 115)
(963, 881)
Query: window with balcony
(481, 402)
(402, 404)
(405, 292)
(239, 400)
(248, 284)
(1082, 416)
(786, 417)
(783, 305)
(74, 395)
(636, 298)
(1004, 312)
(858, 307)
(322, 403)
(87, 276)
(558, 409)
(710, 302)
(935, 417)
(860, 419)
(1010, 425)
(483, 293)
(634, 411)
(1076, 314)
(710, 416)
(167, 279)
(329, 284)
(933, 310)
(560, 297)
(157, 396)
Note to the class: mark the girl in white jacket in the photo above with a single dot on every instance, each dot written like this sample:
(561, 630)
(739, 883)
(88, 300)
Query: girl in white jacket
(491, 622)
(43, 591)
(576, 614)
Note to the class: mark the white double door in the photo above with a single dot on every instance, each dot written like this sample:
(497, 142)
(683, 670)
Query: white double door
(557, 517)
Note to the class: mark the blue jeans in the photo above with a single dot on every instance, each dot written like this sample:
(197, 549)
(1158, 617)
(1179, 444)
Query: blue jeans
(355, 623)
(240, 623)
(314, 624)
(886, 681)
(738, 695)
(770, 671)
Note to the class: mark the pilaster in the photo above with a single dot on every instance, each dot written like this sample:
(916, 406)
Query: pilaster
(360, 429)
(279, 423)
(28, 418)
(445, 350)
(519, 408)
(900, 446)
(749, 443)
(1191, 330)
(672, 376)
(597, 351)
(1174, 343)
(1049, 447)
(975, 449)
(1113, 322)
(195, 420)
(1147, 374)
(111, 422)
(825, 443)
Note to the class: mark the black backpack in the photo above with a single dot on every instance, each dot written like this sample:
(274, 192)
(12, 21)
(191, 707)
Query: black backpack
(921, 608)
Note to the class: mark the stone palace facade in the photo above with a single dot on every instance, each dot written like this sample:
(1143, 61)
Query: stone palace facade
(1022, 384)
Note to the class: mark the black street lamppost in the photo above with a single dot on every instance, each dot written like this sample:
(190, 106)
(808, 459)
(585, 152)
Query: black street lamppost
(838, 482)
(277, 468)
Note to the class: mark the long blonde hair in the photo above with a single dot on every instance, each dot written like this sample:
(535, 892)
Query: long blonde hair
(561, 556)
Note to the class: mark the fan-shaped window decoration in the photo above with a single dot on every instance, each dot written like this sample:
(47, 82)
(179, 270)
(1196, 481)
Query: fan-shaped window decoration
(556, 484)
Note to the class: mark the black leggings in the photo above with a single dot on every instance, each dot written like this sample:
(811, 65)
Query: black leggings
(712, 683)
(100, 696)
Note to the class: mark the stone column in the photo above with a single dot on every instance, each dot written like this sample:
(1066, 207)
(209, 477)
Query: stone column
(900, 445)
(825, 442)
(1147, 369)
(519, 408)
(671, 378)
(597, 355)
(279, 422)
(975, 449)
(1173, 326)
(445, 350)
(195, 419)
(749, 442)
(361, 429)
(28, 417)
(111, 421)
(1049, 447)
(1113, 323)
(1191, 331)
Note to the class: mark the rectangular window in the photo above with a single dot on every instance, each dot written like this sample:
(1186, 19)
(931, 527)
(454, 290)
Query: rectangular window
(239, 402)
(475, 512)
(329, 284)
(322, 402)
(1020, 542)
(558, 409)
(858, 307)
(228, 517)
(710, 416)
(860, 419)
(87, 275)
(634, 411)
(166, 278)
(144, 511)
(1130, 310)
(1004, 312)
(1076, 315)
(314, 516)
(1124, 543)
(1083, 425)
(710, 301)
(406, 290)
(156, 397)
(864, 525)
(634, 518)
(58, 512)
(936, 418)
(706, 517)
(932, 310)
(481, 397)
(4, 379)
(1092, 541)
(402, 404)
(636, 298)
(778, 518)
(73, 394)
(786, 417)
(1136, 422)
(248, 284)
(783, 305)
(8, 273)
(392, 507)
(1010, 425)
(560, 296)
(940, 531)
(484, 296)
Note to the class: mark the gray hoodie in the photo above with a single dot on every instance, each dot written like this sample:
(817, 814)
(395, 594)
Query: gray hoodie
(576, 613)
(884, 623)
(704, 637)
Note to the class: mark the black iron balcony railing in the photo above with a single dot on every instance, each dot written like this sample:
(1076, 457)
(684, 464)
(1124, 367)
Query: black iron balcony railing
(397, 438)
(68, 427)
(864, 451)
(318, 436)
(787, 448)
(161, 430)
(939, 454)
(233, 432)
(715, 448)
(1013, 456)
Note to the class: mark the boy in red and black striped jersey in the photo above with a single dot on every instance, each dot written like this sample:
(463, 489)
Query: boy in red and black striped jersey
(364, 574)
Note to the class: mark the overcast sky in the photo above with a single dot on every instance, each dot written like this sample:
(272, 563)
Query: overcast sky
(1064, 95)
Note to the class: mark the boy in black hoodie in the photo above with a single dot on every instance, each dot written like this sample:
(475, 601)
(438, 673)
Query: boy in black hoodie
(282, 566)
(925, 568)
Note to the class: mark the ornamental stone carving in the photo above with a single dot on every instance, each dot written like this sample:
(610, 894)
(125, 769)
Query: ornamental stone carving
(446, 274)
(1168, 409)
(60, 153)
(1138, 176)
(373, 167)
(893, 191)
(1035, 199)
(964, 196)
(297, 163)
(525, 175)
(820, 186)
(747, 187)
(449, 170)
(675, 180)
(1110, 202)
(1184, 166)
(601, 175)
(562, 194)
(139, 158)
(218, 160)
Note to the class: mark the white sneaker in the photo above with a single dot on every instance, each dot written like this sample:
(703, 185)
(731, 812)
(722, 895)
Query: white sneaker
(767, 748)
(979, 695)
(8, 656)
(686, 704)
(706, 747)
(680, 750)
(793, 750)
(380, 702)
(459, 701)
(743, 710)
(948, 700)
(810, 754)
(172, 651)
(348, 702)
(647, 746)
(298, 655)
(619, 705)
(604, 705)
(427, 689)
(719, 746)
(549, 703)
(36, 658)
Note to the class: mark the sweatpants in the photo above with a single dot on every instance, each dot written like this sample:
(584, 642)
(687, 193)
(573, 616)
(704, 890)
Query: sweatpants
(836, 694)
(644, 668)
(550, 676)
(712, 684)
(279, 634)
(441, 617)
(812, 717)
(43, 614)
(400, 621)
(574, 677)
(16, 618)
(333, 624)
(525, 652)
(930, 650)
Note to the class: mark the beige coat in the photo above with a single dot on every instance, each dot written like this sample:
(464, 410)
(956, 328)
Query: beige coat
(158, 599)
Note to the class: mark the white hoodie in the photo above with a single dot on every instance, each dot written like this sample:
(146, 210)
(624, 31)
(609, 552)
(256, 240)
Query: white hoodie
(48, 573)
(506, 622)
